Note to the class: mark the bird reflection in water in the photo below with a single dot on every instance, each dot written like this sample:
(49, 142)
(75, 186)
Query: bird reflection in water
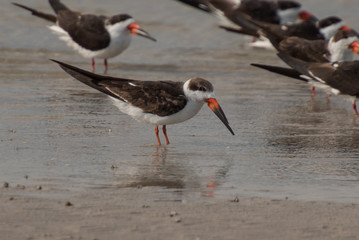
(160, 156)
(173, 172)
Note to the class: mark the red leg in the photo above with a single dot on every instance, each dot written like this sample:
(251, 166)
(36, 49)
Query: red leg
(158, 138)
(355, 107)
(106, 65)
(93, 64)
(313, 90)
(165, 133)
(328, 98)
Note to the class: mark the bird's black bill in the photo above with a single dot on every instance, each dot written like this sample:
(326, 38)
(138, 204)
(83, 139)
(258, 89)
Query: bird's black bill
(136, 29)
(216, 108)
(145, 34)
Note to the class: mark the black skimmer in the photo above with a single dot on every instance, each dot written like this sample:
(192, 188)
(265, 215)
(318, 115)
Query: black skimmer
(234, 13)
(275, 12)
(284, 18)
(310, 30)
(341, 77)
(91, 35)
(153, 102)
(343, 46)
(278, 12)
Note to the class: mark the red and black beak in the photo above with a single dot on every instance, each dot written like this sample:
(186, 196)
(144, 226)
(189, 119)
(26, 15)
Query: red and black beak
(354, 46)
(345, 28)
(306, 16)
(214, 106)
(136, 29)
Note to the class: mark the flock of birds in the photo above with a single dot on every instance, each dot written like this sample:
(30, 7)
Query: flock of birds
(319, 51)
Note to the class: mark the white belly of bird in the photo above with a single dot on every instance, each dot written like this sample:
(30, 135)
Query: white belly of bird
(116, 47)
(190, 110)
(262, 43)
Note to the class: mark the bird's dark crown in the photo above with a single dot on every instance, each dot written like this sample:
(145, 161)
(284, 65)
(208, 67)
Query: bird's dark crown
(284, 5)
(328, 21)
(200, 84)
(118, 18)
(342, 34)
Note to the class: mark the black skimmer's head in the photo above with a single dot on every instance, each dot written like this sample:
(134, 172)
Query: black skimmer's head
(343, 46)
(121, 23)
(154, 102)
(199, 90)
(93, 36)
(291, 12)
(330, 25)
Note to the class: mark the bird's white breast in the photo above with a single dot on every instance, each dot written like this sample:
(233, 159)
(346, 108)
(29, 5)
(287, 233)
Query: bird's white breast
(190, 110)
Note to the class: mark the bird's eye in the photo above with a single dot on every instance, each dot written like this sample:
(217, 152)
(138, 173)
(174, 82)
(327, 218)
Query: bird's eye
(203, 89)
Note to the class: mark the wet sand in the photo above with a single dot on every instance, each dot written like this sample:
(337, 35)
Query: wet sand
(146, 213)
(79, 169)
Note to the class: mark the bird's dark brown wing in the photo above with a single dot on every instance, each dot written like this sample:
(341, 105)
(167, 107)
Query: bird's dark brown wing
(306, 50)
(86, 30)
(342, 76)
(157, 97)
(307, 30)
(295, 63)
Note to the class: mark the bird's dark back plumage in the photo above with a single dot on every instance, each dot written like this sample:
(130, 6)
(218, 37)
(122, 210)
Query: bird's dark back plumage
(86, 30)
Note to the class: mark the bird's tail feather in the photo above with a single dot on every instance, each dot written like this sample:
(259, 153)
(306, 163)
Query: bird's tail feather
(90, 79)
(46, 16)
(289, 72)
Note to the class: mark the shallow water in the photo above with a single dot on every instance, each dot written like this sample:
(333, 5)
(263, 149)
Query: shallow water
(70, 138)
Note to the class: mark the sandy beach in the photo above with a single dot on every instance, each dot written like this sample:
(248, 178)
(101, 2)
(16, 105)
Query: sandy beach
(143, 213)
